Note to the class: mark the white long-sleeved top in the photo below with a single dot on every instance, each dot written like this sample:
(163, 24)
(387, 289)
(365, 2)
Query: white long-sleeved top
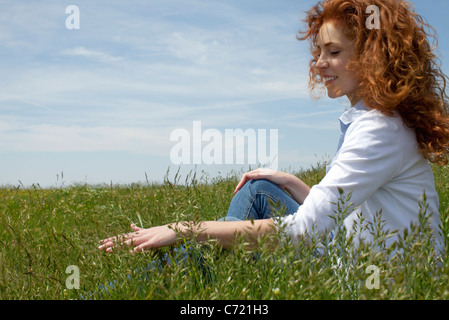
(379, 164)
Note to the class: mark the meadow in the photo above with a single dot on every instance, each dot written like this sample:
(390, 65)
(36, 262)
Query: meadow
(49, 239)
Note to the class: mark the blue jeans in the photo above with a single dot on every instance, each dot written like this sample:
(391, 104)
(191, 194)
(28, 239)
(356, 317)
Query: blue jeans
(252, 202)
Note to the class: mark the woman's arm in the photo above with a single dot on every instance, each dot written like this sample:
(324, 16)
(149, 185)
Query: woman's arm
(224, 232)
(227, 232)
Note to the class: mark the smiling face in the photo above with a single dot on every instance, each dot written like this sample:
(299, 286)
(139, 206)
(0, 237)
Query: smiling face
(335, 52)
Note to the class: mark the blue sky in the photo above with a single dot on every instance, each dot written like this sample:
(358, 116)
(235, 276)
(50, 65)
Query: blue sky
(99, 103)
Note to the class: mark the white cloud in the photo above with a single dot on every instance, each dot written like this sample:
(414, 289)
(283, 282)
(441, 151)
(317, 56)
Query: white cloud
(293, 88)
(92, 54)
(56, 138)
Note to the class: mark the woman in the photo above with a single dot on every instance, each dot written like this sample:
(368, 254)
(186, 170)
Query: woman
(397, 124)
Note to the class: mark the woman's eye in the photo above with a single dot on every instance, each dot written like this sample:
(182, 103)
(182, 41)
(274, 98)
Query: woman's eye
(334, 53)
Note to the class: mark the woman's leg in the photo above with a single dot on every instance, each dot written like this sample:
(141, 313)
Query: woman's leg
(252, 201)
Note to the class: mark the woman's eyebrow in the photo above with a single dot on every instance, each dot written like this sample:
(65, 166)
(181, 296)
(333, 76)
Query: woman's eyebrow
(326, 44)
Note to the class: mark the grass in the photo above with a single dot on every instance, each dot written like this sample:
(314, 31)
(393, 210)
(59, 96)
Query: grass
(45, 231)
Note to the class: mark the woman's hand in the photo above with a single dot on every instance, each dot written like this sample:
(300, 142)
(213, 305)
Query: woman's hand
(298, 189)
(142, 239)
(279, 178)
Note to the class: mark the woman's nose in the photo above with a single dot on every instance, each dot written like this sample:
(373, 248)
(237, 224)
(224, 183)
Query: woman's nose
(322, 62)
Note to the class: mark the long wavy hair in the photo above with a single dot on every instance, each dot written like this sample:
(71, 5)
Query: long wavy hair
(395, 64)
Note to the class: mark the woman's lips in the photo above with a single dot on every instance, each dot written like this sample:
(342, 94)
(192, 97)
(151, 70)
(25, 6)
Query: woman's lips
(328, 80)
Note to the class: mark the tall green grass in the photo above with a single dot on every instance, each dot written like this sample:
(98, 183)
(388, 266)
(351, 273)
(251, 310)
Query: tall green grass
(44, 231)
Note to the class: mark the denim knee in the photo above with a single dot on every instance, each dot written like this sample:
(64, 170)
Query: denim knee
(252, 201)
(260, 185)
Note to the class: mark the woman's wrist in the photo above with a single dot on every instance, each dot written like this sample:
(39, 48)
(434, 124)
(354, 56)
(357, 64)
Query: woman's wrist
(186, 230)
(297, 189)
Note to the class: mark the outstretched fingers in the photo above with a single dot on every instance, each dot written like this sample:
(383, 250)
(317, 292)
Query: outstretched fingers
(136, 228)
(126, 239)
(142, 239)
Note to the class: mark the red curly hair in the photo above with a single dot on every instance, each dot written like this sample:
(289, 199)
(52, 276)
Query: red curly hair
(395, 64)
